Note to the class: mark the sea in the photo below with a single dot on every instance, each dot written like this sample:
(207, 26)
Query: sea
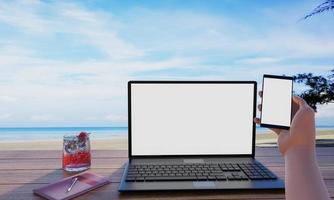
(57, 133)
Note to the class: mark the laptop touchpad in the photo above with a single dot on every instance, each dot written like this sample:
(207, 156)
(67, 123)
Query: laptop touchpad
(193, 161)
(204, 184)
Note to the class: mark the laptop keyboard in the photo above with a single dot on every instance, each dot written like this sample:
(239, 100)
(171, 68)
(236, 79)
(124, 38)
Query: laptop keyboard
(199, 172)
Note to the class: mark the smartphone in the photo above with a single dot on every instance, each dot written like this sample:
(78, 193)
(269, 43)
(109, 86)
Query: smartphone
(276, 101)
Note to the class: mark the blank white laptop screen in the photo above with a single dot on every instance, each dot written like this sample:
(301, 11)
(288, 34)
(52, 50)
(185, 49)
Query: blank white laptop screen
(191, 118)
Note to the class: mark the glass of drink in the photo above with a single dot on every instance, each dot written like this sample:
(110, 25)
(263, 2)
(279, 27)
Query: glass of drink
(76, 152)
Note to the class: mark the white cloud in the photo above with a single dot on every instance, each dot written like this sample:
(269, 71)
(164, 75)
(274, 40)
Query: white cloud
(259, 60)
(325, 111)
(82, 88)
(5, 116)
(93, 28)
(21, 15)
(187, 32)
(116, 118)
(293, 42)
(41, 118)
(7, 99)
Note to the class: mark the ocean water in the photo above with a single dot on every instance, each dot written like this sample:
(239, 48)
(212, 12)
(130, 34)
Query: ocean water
(57, 133)
(319, 128)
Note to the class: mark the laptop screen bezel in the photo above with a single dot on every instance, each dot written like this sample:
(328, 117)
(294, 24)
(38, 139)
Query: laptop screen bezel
(254, 83)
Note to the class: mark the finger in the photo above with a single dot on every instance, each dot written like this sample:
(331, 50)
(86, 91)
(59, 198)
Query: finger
(276, 130)
(257, 120)
(300, 101)
(260, 93)
(284, 141)
(259, 107)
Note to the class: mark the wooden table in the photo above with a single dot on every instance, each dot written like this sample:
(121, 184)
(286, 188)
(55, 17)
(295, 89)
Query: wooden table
(22, 171)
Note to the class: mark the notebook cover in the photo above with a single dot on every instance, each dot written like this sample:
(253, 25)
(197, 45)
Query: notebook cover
(58, 190)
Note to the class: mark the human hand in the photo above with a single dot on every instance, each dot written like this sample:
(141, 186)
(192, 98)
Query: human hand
(302, 129)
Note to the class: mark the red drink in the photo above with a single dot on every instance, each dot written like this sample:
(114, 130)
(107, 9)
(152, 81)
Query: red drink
(76, 152)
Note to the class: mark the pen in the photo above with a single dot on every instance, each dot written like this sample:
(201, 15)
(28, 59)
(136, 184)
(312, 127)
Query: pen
(74, 181)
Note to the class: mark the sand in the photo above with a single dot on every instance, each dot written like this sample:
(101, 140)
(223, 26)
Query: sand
(324, 137)
(120, 143)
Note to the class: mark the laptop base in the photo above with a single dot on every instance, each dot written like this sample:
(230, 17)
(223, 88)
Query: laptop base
(129, 186)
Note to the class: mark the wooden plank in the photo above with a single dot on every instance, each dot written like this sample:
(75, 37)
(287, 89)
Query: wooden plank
(47, 154)
(273, 151)
(49, 176)
(110, 192)
(17, 192)
(46, 176)
(56, 163)
(114, 175)
(38, 164)
(273, 161)
(41, 154)
(21, 171)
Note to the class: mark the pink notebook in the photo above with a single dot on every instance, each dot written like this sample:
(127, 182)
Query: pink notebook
(58, 191)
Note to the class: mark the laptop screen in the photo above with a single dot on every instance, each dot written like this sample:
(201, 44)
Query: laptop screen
(191, 118)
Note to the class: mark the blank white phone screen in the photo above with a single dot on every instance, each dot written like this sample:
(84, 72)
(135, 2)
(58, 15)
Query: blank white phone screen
(191, 119)
(276, 102)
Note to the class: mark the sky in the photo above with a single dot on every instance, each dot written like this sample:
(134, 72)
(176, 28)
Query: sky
(67, 63)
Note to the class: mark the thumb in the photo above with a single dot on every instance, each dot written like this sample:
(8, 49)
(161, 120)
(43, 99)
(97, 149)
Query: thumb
(284, 141)
(299, 101)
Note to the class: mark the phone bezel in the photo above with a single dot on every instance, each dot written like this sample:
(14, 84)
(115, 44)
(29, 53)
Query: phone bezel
(274, 125)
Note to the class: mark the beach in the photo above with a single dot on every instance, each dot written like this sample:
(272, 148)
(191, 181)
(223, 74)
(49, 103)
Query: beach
(119, 143)
(323, 138)
(265, 139)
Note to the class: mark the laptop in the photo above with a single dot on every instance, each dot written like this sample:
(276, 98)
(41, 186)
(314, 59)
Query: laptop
(193, 135)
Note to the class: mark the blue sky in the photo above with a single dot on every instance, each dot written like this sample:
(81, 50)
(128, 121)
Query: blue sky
(66, 63)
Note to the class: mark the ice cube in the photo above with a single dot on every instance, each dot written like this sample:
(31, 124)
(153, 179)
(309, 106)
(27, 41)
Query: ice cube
(71, 147)
(82, 144)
